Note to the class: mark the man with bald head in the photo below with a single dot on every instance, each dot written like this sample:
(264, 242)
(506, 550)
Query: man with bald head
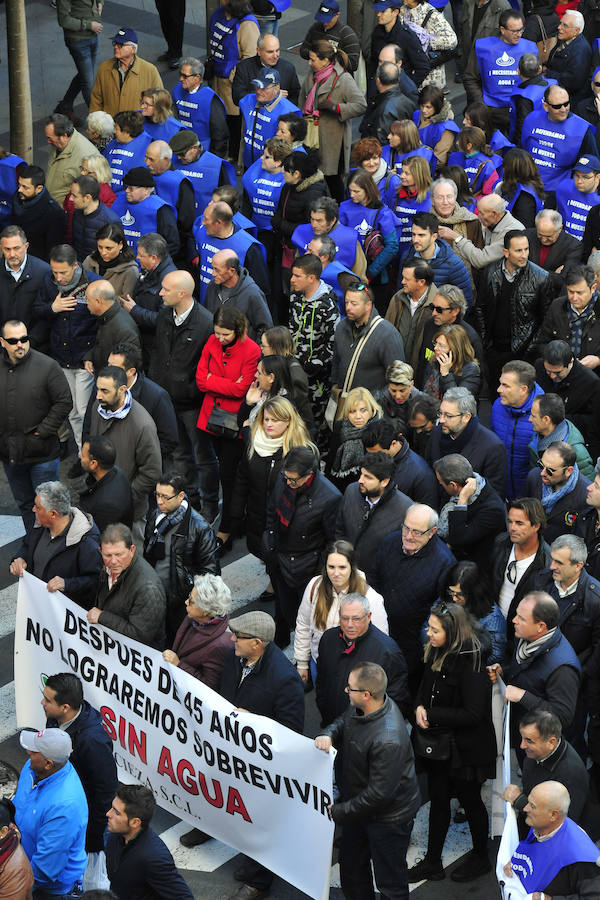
(496, 222)
(233, 285)
(395, 54)
(172, 186)
(409, 570)
(182, 329)
(115, 325)
(557, 858)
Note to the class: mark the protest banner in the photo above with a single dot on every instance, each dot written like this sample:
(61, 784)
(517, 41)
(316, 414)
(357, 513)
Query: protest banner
(244, 779)
(510, 885)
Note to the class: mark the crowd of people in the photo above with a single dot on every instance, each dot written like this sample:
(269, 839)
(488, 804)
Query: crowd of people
(271, 304)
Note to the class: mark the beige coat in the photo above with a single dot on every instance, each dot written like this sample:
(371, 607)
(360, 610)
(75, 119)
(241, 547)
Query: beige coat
(247, 36)
(65, 166)
(335, 132)
(109, 96)
(123, 277)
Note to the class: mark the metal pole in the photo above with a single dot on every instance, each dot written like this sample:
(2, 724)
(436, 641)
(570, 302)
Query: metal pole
(19, 92)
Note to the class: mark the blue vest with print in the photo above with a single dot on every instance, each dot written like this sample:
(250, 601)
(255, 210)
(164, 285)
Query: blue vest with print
(361, 219)
(260, 124)
(406, 210)
(223, 41)
(123, 157)
(430, 134)
(499, 67)
(532, 92)
(194, 111)
(329, 276)
(8, 185)
(167, 187)
(344, 237)
(207, 246)
(539, 203)
(204, 175)
(398, 158)
(471, 164)
(574, 207)
(263, 191)
(554, 146)
(137, 218)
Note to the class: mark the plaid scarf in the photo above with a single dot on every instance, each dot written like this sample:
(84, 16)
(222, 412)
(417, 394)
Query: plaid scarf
(155, 549)
(577, 321)
(287, 503)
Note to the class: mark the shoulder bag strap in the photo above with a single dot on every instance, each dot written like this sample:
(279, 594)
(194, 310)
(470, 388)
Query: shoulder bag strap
(356, 355)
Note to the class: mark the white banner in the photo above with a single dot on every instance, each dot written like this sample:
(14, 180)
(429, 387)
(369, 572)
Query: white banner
(248, 781)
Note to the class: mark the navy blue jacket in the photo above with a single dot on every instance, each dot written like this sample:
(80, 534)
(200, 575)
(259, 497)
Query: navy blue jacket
(157, 402)
(84, 228)
(143, 869)
(94, 762)
(108, 500)
(17, 297)
(571, 65)
(272, 689)
(447, 266)
(566, 511)
(473, 529)
(72, 334)
(484, 450)
(414, 477)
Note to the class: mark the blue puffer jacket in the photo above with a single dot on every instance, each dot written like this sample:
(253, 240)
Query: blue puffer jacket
(512, 425)
(448, 267)
(72, 334)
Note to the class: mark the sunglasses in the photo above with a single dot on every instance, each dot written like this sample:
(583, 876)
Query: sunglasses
(23, 339)
(511, 572)
(547, 469)
(440, 309)
(559, 105)
(440, 609)
(357, 286)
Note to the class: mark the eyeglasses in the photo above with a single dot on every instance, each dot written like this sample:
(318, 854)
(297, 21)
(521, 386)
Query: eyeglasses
(440, 309)
(511, 571)
(22, 339)
(443, 415)
(514, 30)
(292, 481)
(160, 496)
(183, 75)
(452, 593)
(440, 609)
(243, 637)
(547, 469)
(559, 105)
(416, 532)
(145, 103)
(596, 83)
(350, 690)
(353, 619)
(357, 286)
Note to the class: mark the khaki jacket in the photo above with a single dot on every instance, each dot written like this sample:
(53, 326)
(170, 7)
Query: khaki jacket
(109, 96)
(63, 167)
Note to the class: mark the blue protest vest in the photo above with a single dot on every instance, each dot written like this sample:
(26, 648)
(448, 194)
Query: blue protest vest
(167, 187)
(8, 185)
(246, 224)
(388, 188)
(395, 159)
(406, 210)
(223, 41)
(537, 863)
(554, 146)
(260, 124)
(263, 191)
(499, 67)
(162, 131)
(123, 157)
(471, 166)
(194, 111)
(329, 276)
(532, 92)
(499, 142)
(574, 207)
(137, 218)
(207, 246)
(361, 219)
(539, 203)
(204, 175)
(430, 134)
(344, 237)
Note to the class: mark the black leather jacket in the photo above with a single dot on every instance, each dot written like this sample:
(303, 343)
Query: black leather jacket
(528, 304)
(380, 784)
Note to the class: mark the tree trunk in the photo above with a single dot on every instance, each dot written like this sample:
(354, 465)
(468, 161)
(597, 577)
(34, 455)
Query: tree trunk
(19, 92)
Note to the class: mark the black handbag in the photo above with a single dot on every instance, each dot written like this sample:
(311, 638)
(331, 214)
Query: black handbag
(222, 423)
(431, 743)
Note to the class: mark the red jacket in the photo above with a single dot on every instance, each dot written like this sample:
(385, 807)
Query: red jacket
(225, 365)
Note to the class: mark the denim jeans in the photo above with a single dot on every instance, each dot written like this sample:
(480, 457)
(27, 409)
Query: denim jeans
(84, 56)
(386, 845)
(81, 384)
(23, 481)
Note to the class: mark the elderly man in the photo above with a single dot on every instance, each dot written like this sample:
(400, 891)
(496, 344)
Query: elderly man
(62, 548)
(175, 188)
(573, 318)
(395, 54)
(35, 400)
(557, 858)
(324, 222)
(409, 570)
(21, 277)
(556, 137)
(52, 813)
(121, 80)
(327, 27)
(496, 221)
(380, 793)
(232, 284)
(527, 95)
(115, 326)
(70, 148)
(558, 483)
(389, 104)
(205, 170)
(42, 219)
(544, 671)
(549, 424)
(260, 113)
(460, 431)
(268, 55)
(130, 598)
(199, 108)
(570, 60)
(550, 247)
(258, 678)
(142, 211)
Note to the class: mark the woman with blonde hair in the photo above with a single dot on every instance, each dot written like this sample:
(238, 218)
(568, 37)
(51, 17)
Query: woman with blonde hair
(97, 166)
(346, 449)
(404, 140)
(157, 110)
(453, 363)
(477, 159)
(413, 196)
(320, 605)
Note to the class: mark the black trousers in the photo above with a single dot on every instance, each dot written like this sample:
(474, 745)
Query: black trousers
(172, 18)
(441, 790)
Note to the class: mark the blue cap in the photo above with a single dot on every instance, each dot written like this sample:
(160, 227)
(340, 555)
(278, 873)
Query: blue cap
(327, 10)
(125, 36)
(587, 164)
(380, 5)
(266, 78)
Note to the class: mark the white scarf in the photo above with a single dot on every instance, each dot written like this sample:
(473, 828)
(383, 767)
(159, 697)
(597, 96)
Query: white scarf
(263, 445)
